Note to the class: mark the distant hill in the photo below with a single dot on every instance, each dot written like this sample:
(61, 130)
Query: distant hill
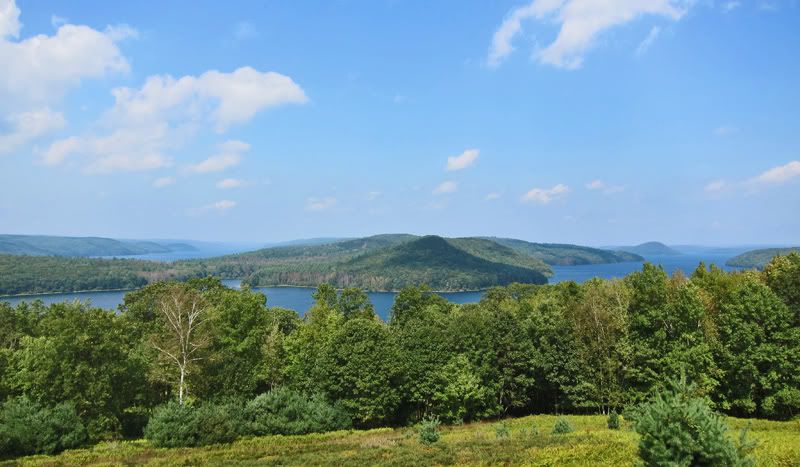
(759, 258)
(556, 254)
(47, 245)
(649, 249)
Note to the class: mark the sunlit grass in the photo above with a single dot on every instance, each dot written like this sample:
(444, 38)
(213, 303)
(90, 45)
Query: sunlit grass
(530, 443)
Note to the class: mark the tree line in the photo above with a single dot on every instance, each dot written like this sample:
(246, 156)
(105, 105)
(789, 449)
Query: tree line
(596, 347)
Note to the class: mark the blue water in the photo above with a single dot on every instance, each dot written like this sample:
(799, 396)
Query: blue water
(299, 298)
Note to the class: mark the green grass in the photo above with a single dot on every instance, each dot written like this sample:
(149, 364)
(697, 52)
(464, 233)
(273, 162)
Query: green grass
(477, 444)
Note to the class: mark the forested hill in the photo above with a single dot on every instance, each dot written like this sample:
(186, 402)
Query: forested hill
(380, 262)
(556, 254)
(47, 245)
(649, 248)
(759, 258)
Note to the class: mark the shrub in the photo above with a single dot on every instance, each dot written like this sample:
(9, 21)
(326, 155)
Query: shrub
(502, 431)
(429, 430)
(287, 412)
(175, 425)
(27, 427)
(562, 426)
(613, 420)
(679, 429)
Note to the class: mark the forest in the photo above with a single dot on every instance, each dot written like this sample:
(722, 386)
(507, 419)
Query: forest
(193, 363)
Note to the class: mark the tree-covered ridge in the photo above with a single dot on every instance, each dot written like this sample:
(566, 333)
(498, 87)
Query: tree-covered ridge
(48, 245)
(650, 248)
(556, 254)
(758, 258)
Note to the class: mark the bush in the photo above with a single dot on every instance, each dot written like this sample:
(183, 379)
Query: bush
(562, 426)
(287, 412)
(429, 430)
(175, 425)
(679, 429)
(27, 427)
(613, 420)
(502, 431)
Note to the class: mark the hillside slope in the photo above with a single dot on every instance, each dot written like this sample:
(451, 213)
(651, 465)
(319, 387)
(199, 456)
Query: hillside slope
(48, 245)
(759, 258)
(556, 254)
(650, 248)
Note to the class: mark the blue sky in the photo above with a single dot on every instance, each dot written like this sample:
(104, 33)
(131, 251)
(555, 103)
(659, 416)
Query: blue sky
(581, 121)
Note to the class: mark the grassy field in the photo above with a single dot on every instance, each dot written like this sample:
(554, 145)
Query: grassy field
(529, 443)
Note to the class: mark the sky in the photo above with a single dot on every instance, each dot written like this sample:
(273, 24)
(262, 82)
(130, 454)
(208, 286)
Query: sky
(577, 121)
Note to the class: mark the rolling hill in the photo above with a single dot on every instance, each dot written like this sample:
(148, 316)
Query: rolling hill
(759, 258)
(48, 245)
(556, 254)
(649, 249)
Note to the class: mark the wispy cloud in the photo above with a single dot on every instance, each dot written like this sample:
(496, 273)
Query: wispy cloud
(244, 30)
(715, 186)
(545, 195)
(228, 183)
(731, 5)
(777, 175)
(373, 195)
(599, 185)
(230, 154)
(493, 196)
(320, 204)
(462, 161)
(648, 41)
(445, 188)
(164, 181)
(580, 21)
(725, 130)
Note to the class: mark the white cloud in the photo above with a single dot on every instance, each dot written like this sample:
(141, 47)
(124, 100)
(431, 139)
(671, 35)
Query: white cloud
(228, 183)
(596, 185)
(320, 204)
(462, 161)
(58, 21)
(230, 154)
(580, 23)
(27, 126)
(121, 32)
(648, 41)
(493, 196)
(730, 5)
(725, 130)
(222, 205)
(164, 181)
(778, 175)
(445, 187)
(41, 68)
(545, 195)
(715, 186)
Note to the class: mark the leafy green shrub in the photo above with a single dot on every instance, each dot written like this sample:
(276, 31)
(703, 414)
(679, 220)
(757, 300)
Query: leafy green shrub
(613, 420)
(677, 428)
(27, 427)
(287, 412)
(429, 430)
(502, 431)
(562, 426)
(175, 425)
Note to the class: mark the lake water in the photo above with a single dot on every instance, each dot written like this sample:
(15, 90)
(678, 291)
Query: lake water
(299, 298)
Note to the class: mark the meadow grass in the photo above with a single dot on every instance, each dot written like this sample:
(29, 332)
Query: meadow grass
(529, 443)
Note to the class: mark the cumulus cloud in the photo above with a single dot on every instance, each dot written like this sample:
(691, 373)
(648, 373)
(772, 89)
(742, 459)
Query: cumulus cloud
(462, 161)
(27, 126)
(164, 181)
(445, 188)
(228, 183)
(778, 175)
(320, 204)
(545, 195)
(648, 40)
(715, 186)
(599, 185)
(229, 155)
(41, 68)
(580, 22)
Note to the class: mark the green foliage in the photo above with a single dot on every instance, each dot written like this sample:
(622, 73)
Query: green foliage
(429, 430)
(759, 258)
(287, 412)
(555, 254)
(678, 428)
(176, 425)
(80, 246)
(502, 431)
(27, 427)
(613, 421)
(562, 426)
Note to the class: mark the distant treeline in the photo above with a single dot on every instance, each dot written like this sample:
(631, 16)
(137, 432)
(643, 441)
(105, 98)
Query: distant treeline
(574, 348)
